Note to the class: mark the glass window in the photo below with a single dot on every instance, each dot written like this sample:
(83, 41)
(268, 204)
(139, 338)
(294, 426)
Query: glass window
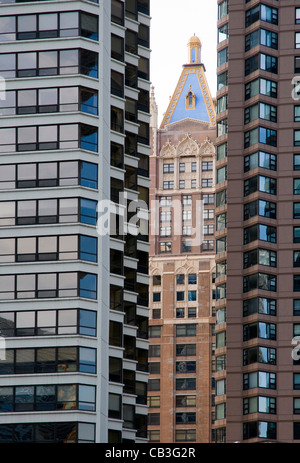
(87, 360)
(27, 26)
(48, 25)
(48, 63)
(7, 28)
(88, 211)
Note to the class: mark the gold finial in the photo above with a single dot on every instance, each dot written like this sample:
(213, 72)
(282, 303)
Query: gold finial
(194, 50)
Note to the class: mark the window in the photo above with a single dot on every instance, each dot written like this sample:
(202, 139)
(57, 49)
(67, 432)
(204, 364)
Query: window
(222, 80)
(260, 429)
(221, 339)
(222, 56)
(185, 349)
(207, 182)
(261, 37)
(259, 354)
(154, 351)
(165, 231)
(296, 137)
(260, 257)
(192, 279)
(262, 86)
(51, 322)
(168, 185)
(260, 281)
(208, 229)
(221, 315)
(49, 360)
(50, 62)
(296, 282)
(223, 33)
(296, 234)
(186, 330)
(296, 381)
(222, 174)
(221, 221)
(165, 216)
(186, 435)
(259, 305)
(222, 104)
(156, 297)
(181, 167)
(186, 418)
(117, 12)
(51, 174)
(221, 198)
(260, 159)
(259, 330)
(208, 199)
(165, 201)
(168, 168)
(208, 214)
(180, 296)
(260, 379)
(165, 246)
(263, 13)
(180, 278)
(261, 135)
(260, 183)
(296, 307)
(207, 166)
(297, 64)
(50, 100)
(222, 127)
(261, 61)
(262, 111)
(261, 232)
(260, 207)
(187, 200)
(117, 47)
(185, 366)
(296, 213)
(185, 383)
(259, 404)
(192, 295)
(222, 9)
(221, 245)
(49, 137)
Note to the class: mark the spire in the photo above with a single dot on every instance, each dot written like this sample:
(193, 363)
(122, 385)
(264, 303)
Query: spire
(191, 98)
(194, 50)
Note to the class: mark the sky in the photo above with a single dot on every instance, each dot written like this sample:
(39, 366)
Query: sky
(173, 23)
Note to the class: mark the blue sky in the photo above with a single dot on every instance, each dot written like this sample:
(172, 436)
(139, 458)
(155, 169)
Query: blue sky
(173, 23)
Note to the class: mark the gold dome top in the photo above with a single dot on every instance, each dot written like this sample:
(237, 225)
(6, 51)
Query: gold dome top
(194, 40)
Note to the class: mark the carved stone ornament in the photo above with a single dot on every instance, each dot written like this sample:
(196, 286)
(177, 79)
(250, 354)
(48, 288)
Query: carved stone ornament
(168, 151)
(207, 147)
(187, 147)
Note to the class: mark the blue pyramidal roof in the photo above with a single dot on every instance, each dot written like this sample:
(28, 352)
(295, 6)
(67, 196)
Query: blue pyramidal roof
(191, 99)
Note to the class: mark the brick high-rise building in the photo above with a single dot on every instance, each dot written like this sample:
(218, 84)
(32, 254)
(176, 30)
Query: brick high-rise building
(182, 259)
(257, 379)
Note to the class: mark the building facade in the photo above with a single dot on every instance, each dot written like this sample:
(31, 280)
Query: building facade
(181, 264)
(257, 285)
(74, 134)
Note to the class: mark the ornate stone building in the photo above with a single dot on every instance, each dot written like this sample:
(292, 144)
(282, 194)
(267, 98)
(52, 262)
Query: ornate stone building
(182, 251)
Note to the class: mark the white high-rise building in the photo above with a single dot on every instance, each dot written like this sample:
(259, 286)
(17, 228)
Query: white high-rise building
(74, 132)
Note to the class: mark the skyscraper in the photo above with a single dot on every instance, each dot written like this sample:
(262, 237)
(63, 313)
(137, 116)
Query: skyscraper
(181, 265)
(257, 285)
(74, 135)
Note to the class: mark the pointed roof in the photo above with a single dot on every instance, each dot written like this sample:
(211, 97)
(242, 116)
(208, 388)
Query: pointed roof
(192, 98)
